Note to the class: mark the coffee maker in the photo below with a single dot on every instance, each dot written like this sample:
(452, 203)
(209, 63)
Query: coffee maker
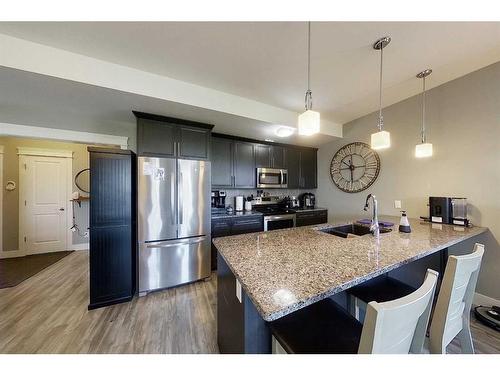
(218, 199)
(448, 210)
(307, 200)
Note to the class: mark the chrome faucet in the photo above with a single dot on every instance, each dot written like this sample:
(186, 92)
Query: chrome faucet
(374, 227)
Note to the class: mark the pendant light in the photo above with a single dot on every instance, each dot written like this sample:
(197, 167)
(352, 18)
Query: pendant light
(424, 149)
(309, 120)
(381, 139)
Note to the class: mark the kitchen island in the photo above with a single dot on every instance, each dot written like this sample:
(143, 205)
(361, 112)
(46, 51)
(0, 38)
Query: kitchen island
(267, 275)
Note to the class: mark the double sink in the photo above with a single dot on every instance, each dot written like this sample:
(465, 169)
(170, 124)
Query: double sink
(353, 229)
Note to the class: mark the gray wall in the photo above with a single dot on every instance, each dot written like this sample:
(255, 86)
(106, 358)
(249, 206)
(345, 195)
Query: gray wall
(463, 118)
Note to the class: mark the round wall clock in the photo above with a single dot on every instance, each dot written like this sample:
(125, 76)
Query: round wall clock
(354, 167)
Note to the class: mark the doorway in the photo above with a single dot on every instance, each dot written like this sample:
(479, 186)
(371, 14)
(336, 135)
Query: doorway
(45, 182)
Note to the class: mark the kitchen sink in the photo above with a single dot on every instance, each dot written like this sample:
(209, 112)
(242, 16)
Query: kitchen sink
(354, 229)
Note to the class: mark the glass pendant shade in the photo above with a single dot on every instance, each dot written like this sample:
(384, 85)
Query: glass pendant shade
(423, 150)
(309, 122)
(381, 140)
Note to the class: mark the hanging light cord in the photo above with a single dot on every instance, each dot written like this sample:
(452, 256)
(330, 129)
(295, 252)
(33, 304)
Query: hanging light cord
(423, 111)
(308, 98)
(380, 117)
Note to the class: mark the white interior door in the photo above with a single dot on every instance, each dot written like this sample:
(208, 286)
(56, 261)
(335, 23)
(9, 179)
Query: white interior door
(44, 202)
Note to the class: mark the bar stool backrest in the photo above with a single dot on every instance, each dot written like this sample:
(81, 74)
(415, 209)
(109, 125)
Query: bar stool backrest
(399, 326)
(452, 311)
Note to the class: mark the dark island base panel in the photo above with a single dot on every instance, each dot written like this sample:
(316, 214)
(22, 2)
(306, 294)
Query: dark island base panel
(240, 328)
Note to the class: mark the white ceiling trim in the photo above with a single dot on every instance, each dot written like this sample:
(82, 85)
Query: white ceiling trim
(16, 130)
(37, 58)
(32, 151)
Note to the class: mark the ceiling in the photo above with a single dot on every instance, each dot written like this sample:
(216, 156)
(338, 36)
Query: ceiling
(34, 99)
(266, 61)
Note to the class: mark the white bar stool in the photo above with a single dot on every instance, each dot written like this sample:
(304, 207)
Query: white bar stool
(391, 327)
(451, 316)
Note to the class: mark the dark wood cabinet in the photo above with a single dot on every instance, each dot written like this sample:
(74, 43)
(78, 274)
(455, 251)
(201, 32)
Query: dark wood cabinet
(311, 217)
(308, 168)
(292, 164)
(228, 226)
(155, 138)
(277, 157)
(194, 143)
(262, 156)
(222, 163)
(233, 163)
(244, 165)
(249, 224)
(162, 136)
(301, 164)
(240, 329)
(268, 156)
(112, 226)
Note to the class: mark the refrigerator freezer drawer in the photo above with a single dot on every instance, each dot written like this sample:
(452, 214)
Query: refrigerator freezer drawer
(165, 264)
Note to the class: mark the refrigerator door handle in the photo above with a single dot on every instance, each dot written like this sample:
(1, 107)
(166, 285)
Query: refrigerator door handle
(172, 197)
(180, 197)
(177, 243)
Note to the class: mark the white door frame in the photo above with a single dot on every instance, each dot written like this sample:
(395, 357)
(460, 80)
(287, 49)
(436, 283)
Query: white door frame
(31, 151)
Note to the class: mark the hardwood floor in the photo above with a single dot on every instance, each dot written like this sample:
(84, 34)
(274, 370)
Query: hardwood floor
(48, 314)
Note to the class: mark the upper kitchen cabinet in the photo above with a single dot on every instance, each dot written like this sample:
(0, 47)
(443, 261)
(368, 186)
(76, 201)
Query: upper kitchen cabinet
(169, 137)
(268, 156)
(292, 164)
(155, 138)
(301, 164)
(233, 163)
(222, 162)
(244, 165)
(308, 168)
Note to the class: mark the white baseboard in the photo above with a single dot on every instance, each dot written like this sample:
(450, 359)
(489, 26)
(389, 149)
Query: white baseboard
(12, 254)
(480, 299)
(80, 246)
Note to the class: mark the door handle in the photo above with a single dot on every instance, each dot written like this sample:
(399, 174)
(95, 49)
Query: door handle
(180, 197)
(174, 244)
(61, 209)
(172, 196)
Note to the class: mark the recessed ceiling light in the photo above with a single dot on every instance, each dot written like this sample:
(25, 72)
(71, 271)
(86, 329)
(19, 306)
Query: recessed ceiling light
(284, 131)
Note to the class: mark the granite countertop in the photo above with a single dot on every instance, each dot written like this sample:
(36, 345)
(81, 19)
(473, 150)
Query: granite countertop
(224, 215)
(284, 270)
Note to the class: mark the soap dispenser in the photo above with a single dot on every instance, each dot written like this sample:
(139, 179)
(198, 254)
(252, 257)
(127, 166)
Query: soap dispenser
(404, 225)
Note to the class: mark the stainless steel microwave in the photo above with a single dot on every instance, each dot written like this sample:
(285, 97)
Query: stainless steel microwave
(272, 178)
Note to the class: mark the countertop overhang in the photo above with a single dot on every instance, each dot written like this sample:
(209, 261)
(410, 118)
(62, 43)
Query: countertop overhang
(284, 270)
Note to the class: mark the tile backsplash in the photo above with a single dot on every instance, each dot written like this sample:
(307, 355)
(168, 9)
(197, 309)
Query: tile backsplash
(231, 193)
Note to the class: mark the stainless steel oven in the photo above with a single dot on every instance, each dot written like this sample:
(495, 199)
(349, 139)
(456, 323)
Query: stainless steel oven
(278, 221)
(272, 178)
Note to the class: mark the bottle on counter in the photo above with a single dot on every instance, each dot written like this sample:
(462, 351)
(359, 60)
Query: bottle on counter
(404, 224)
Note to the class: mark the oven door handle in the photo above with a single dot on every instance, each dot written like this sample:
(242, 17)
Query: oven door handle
(279, 217)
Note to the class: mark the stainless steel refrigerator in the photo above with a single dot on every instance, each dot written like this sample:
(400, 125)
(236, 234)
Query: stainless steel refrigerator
(173, 222)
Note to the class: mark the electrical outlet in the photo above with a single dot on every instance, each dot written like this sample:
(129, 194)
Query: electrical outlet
(397, 204)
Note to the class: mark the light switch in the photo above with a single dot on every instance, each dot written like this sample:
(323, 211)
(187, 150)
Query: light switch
(397, 204)
(238, 290)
